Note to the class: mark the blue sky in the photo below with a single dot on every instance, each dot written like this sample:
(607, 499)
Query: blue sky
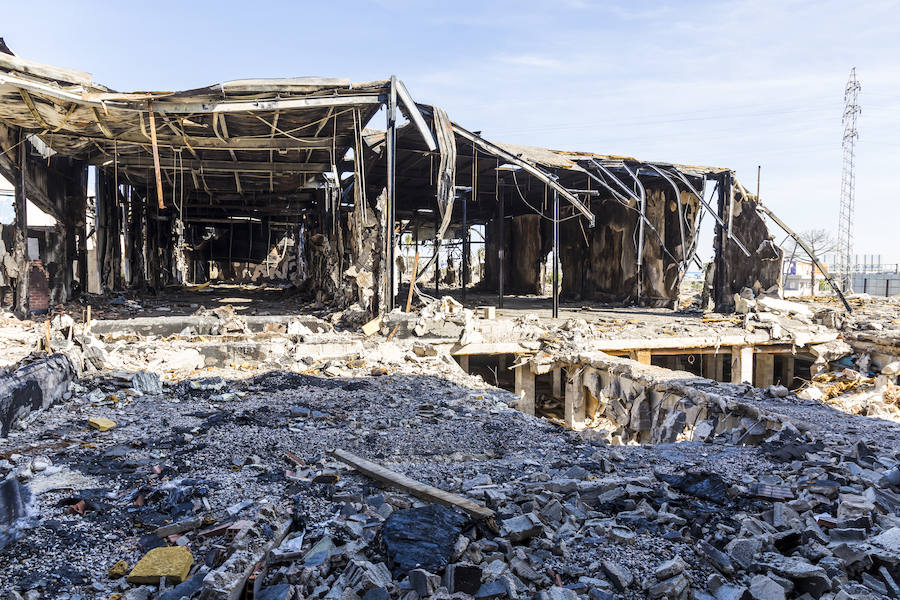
(735, 84)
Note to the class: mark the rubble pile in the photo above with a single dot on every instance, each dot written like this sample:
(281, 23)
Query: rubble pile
(212, 488)
(200, 462)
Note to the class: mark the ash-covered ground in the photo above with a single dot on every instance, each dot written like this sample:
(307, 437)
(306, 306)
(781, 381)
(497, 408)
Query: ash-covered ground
(237, 472)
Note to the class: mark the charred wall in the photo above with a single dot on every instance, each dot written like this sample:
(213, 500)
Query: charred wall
(345, 255)
(525, 247)
(761, 271)
(601, 263)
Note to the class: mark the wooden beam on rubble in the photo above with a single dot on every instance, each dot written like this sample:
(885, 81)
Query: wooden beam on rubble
(411, 486)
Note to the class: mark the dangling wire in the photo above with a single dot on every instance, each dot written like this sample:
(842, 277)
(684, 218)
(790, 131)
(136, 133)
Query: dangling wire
(537, 211)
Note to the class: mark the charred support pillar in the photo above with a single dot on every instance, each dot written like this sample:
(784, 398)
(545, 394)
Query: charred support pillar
(109, 250)
(74, 209)
(525, 388)
(465, 248)
(555, 254)
(557, 383)
(391, 160)
(721, 286)
(20, 244)
(138, 269)
(81, 215)
(742, 364)
(501, 249)
(765, 370)
(101, 199)
(61, 267)
(437, 260)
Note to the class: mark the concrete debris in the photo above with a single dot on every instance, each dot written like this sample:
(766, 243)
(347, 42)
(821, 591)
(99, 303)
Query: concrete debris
(227, 320)
(159, 564)
(202, 454)
(146, 382)
(101, 423)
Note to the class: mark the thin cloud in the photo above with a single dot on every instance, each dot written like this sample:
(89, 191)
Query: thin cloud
(532, 61)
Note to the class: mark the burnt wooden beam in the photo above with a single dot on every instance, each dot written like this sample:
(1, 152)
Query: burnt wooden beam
(29, 102)
(101, 124)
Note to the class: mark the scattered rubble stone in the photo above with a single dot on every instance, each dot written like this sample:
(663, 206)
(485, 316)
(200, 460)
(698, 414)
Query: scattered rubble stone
(769, 496)
(118, 570)
(101, 423)
(620, 576)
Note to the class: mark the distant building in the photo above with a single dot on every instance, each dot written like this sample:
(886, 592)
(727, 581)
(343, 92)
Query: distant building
(798, 278)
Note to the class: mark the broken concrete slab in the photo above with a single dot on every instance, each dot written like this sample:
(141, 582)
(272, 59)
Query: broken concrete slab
(32, 386)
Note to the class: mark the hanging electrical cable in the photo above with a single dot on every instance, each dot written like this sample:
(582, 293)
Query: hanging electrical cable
(535, 210)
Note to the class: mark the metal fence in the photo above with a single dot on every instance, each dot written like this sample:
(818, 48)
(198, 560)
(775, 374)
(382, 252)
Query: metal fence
(877, 284)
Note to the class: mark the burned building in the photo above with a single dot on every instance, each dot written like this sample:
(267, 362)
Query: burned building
(255, 180)
(190, 438)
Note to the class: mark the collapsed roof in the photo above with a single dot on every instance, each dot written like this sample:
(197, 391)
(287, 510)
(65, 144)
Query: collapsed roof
(281, 150)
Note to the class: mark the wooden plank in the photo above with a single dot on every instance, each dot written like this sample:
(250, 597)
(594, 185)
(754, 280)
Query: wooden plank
(155, 146)
(418, 489)
(101, 125)
(29, 102)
